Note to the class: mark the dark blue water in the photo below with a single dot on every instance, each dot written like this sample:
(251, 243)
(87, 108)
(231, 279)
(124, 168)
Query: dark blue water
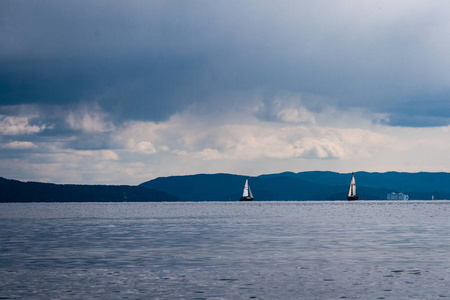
(225, 250)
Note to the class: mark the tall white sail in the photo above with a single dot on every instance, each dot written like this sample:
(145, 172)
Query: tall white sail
(247, 193)
(246, 189)
(352, 189)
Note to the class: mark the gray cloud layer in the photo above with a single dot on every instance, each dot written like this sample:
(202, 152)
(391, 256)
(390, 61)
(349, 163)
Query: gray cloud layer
(148, 60)
(119, 92)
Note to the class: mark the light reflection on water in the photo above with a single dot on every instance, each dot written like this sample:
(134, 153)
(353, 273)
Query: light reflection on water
(223, 250)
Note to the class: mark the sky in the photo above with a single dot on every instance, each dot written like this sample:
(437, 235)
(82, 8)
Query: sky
(121, 92)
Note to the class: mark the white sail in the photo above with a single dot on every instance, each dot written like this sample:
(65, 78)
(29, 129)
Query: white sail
(352, 189)
(246, 189)
(247, 193)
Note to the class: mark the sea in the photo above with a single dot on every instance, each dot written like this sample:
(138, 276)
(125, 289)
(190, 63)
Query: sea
(226, 250)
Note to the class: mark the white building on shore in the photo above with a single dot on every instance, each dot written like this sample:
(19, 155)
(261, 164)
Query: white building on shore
(397, 196)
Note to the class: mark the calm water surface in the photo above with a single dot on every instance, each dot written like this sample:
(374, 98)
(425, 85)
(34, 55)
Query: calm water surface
(225, 250)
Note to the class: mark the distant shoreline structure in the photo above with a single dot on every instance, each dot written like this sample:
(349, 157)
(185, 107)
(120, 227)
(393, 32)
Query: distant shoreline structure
(397, 196)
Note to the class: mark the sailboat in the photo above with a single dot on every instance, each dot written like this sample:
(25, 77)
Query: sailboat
(352, 191)
(247, 193)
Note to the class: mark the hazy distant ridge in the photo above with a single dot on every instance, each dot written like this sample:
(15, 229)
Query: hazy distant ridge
(315, 185)
(17, 191)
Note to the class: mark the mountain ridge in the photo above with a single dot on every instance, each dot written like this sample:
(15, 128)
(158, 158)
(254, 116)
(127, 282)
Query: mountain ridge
(17, 191)
(308, 185)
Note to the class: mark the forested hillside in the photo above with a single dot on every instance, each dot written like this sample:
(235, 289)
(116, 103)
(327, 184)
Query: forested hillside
(315, 185)
(17, 191)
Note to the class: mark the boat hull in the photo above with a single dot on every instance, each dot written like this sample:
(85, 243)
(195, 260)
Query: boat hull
(246, 199)
(352, 198)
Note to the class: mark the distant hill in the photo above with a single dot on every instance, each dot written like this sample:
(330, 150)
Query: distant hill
(316, 185)
(395, 181)
(17, 191)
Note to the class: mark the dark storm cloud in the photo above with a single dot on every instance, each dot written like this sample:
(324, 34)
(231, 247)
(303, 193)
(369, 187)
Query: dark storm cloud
(128, 58)
(143, 89)
(421, 111)
(147, 60)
